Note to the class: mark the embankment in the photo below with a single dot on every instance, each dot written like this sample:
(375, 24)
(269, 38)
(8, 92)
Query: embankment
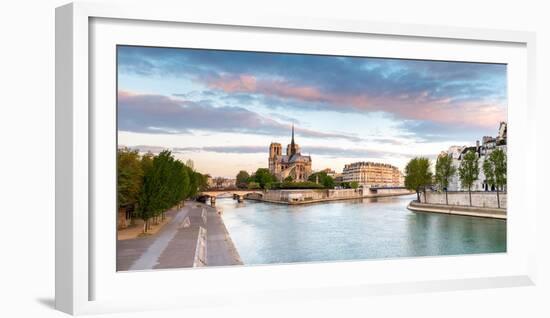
(309, 196)
(494, 213)
(482, 199)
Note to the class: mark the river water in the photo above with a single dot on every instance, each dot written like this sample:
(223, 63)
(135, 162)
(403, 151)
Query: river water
(266, 233)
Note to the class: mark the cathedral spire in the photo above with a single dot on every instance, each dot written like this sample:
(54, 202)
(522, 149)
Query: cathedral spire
(292, 144)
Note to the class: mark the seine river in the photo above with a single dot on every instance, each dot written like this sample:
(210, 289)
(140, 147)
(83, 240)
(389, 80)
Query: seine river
(267, 233)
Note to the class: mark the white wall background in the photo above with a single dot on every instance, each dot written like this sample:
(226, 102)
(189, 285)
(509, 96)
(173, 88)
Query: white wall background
(27, 159)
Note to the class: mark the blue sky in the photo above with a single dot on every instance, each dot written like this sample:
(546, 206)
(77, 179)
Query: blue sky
(223, 108)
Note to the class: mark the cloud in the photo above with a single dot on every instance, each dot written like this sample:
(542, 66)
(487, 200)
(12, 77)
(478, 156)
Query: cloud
(226, 149)
(428, 131)
(146, 148)
(421, 105)
(166, 115)
(333, 152)
(450, 93)
(338, 152)
(285, 118)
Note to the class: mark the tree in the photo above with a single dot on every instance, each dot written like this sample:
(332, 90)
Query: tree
(155, 194)
(328, 182)
(345, 185)
(202, 182)
(253, 185)
(469, 171)
(263, 177)
(354, 184)
(288, 179)
(147, 162)
(129, 177)
(418, 175)
(178, 183)
(498, 157)
(165, 183)
(444, 170)
(323, 179)
(196, 182)
(296, 185)
(242, 179)
(494, 168)
(185, 183)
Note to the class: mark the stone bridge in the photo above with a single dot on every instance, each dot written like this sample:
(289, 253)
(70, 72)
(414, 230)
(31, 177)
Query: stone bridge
(237, 194)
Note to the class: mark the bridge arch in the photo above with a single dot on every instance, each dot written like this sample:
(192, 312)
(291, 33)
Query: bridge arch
(238, 195)
(214, 193)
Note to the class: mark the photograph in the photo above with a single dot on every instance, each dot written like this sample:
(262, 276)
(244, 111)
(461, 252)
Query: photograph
(228, 157)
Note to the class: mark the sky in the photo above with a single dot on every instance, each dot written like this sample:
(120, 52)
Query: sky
(222, 109)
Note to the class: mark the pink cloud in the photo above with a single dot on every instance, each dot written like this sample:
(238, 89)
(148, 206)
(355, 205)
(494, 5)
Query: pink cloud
(241, 83)
(250, 84)
(419, 106)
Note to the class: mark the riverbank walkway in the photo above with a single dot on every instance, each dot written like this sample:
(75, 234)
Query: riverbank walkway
(195, 236)
(458, 210)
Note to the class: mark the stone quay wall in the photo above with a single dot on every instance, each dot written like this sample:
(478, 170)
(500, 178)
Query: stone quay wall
(308, 195)
(481, 199)
(386, 192)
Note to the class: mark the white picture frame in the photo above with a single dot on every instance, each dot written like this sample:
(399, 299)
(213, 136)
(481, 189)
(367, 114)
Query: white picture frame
(84, 287)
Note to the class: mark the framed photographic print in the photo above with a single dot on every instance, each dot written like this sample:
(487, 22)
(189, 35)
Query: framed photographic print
(262, 156)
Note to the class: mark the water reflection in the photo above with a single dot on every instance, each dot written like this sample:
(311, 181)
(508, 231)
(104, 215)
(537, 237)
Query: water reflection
(358, 229)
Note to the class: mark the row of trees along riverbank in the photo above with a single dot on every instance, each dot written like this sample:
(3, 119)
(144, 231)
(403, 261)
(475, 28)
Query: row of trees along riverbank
(263, 179)
(418, 175)
(150, 184)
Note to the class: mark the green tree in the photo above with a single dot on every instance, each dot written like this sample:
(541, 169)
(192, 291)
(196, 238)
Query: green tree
(166, 182)
(354, 184)
(328, 182)
(185, 183)
(323, 179)
(178, 183)
(498, 157)
(444, 171)
(242, 179)
(288, 179)
(253, 185)
(147, 162)
(418, 175)
(263, 177)
(202, 182)
(129, 177)
(297, 185)
(155, 194)
(469, 171)
(194, 183)
(345, 185)
(494, 168)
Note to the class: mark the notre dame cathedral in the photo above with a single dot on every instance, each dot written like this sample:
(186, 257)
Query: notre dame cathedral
(292, 164)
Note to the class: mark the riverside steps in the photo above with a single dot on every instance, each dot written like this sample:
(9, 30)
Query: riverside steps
(195, 237)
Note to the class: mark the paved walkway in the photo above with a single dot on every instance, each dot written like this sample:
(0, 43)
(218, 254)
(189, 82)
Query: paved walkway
(178, 244)
(149, 259)
(180, 251)
(128, 251)
(221, 250)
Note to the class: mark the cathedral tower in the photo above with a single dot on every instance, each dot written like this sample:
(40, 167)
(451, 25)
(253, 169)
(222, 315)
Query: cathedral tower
(275, 152)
